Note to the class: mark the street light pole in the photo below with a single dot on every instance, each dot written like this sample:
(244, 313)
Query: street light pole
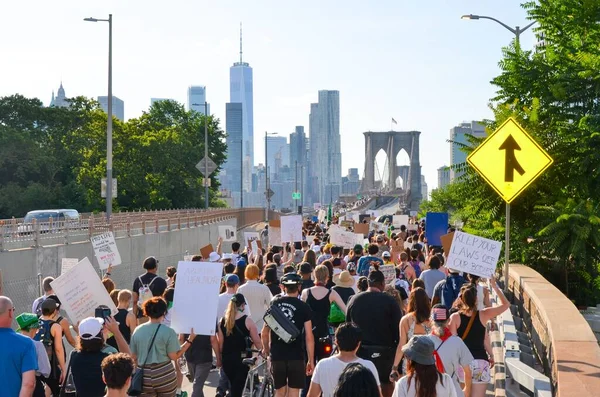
(206, 177)
(109, 122)
(517, 32)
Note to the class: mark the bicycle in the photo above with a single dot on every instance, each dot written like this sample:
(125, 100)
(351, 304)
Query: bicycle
(259, 381)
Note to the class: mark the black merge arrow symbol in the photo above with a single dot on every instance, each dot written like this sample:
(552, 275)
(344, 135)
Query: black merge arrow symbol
(511, 164)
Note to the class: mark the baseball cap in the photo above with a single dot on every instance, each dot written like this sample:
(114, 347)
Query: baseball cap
(439, 313)
(150, 263)
(90, 327)
(26, 321)
(238, 299)
(358, 249)
(241, 262)
(232, 279)
(291, 279)
(305, 268)
(49, 305)
(376, 277)
(386, 254)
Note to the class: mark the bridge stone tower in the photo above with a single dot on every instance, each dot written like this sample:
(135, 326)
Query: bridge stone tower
(392, 142)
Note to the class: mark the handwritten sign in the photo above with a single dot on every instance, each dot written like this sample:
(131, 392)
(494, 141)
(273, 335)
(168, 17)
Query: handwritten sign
(254, 246)
(251, 236)
(362, 228)
(196, 282)
(187, 258)
(206, 251)
(343, 238)
(106, 250)
(275, 236)
(67, 264)
(389, 272)
(473, 254)
(80, 291)
(227, 233)
(310, 239)
(291, 228)
(399, 220)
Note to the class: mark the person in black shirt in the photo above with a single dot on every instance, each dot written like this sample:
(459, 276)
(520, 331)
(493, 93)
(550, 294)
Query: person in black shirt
(199, 359)
(344, 284)
(378, 316)
(157, 286)
(288, 359)
(305, 270)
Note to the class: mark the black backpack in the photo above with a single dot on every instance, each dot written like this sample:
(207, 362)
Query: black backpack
(280, 324)
(44, 335)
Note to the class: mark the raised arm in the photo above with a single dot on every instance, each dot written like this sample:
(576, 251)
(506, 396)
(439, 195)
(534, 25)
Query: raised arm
(491, 312)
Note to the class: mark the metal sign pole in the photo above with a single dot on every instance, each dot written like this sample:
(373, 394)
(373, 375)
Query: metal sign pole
(507, 247)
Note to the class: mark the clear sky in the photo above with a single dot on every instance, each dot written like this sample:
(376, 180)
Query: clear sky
(415, 61)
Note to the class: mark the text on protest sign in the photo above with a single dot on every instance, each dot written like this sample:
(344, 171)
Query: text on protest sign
(80, 291)
(106, 250)
(344, 239)
(291, 228)
(473, 254)
(196, 282)
(275, 236)
(227, 233)
(251, 236)
(67, 264)
(389, 272)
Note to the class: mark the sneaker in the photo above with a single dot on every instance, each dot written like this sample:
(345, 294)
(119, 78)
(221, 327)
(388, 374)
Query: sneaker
(182, 394)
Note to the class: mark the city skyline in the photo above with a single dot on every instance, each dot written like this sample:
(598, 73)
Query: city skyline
(446, 79)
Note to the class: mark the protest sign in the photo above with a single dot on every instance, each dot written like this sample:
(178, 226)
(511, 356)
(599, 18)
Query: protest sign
(106, 250)
(310, 239)
(187, 258)
(343, 239)
(373, 213)
(362, 228)
(447, 242)
(227, 233)
(275, 223)
(436, 226)
(322, 215)
(473, 254)
(399, 220)
(389, 272)
(412, 226)
(347, 224)
(254, 246)
(407, 245)
(80, 291)
(291, 228)
(206, 250)
(67, 264)
(275, 236)
(196, 282)
(251, 236)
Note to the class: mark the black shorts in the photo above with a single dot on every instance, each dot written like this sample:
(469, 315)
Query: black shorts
(383, 359)
(291, 373)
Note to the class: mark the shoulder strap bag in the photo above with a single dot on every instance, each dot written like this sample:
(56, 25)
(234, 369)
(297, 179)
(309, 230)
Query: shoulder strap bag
(137, 380)
(68, 387)
(469, 326)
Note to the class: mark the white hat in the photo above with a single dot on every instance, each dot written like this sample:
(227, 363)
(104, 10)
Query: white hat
(90, 327)
(386, 254)
(214, 257)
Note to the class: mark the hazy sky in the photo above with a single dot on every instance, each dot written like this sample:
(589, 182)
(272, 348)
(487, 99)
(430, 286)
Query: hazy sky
(412, 60)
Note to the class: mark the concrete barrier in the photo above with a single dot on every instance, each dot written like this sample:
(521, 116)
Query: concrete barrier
(562, 338)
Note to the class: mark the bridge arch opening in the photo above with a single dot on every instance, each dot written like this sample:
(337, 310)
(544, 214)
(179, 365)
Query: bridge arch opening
(381, 171)
(403, 169)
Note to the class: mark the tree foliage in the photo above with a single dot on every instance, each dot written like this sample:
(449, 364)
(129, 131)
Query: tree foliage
(54, 157)
(554, 93)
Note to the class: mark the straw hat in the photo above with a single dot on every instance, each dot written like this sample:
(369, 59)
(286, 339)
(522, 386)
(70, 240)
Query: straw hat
(343, 279)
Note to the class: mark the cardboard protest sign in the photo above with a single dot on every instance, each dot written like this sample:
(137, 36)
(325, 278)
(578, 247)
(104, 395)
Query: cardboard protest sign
(206, 250)
(436, 225)
(447, 242)
(389, 272)
(227, 233)
(399, 220)
(361, 228)
(347, 224)
(67, 264)
(275, 236)
(291, 228)
(473, 254)
(275, 223)
(251, 236)
(80, 291)
(196, 282)
(105, 249)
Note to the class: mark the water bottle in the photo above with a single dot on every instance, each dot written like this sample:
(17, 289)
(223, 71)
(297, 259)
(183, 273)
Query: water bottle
(183, 367)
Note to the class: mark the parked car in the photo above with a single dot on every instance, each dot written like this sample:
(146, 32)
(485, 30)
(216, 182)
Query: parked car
(60, 218)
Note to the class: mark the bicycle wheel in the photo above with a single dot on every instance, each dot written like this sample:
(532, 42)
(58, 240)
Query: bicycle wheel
(266, 388)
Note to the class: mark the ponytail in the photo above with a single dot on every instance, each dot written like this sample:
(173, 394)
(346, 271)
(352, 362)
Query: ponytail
(230, 317)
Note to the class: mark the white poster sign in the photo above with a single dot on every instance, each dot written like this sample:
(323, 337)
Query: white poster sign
(373, 213)
(343, 239)
(291, 228)
(310, 239)
(106, 250)
(389, 272)
(412, 227)
(227, 233)
(80, 291)
(196, 282)
(322, 215)
(254, 246)
(67, 264)
(275, 236)
(399, 220)
(474, 254)
(251, 236)
(187, 258)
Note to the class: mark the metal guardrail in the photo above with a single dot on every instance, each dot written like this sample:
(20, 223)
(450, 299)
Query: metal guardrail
(14, 234)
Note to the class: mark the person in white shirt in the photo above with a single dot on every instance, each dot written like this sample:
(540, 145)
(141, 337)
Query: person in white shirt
(422, 372)
(327, 372)
(258, 296)
(232, 282)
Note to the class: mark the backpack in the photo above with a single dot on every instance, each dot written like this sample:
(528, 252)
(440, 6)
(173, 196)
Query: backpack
(38, 308)
(451, 289)
(144, 292)
(415, 265)
(280, 324)
(44, 335)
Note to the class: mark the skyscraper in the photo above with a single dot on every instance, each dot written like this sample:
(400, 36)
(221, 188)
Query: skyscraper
(240, 91)
(118, 106)
(443, 177)
(298, 147)
(60, 99)
(231, 176)
(424, 190)
(278, 154)
(459, 135)
(196, 97)
(325, 151)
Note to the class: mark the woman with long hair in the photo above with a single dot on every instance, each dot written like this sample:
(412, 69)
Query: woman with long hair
(422, 378)
(357, 381)
(311, 257)
(470, 324)
(236, 330)
(483, 294)
(414, 322)
(362, 284)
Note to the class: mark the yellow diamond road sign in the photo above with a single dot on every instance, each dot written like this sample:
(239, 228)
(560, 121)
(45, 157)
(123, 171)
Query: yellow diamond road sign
(509, 160)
